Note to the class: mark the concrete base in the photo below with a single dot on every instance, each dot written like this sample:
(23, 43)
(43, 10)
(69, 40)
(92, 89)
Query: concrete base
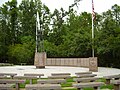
(40, 60)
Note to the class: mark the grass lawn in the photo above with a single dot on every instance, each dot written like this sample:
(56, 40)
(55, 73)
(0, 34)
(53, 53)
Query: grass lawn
(68, 84)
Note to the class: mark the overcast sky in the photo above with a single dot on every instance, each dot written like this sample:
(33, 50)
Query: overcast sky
(85, 5)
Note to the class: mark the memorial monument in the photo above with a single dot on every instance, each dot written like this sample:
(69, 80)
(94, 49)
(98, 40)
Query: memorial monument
(93, 66)
(40, 55)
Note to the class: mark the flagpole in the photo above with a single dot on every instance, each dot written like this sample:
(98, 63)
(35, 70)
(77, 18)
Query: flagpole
(36, 38)
(92, 37)
(92, 29)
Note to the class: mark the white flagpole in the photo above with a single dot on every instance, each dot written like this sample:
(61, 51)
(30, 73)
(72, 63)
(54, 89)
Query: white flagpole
(36, 38)
(92, 29)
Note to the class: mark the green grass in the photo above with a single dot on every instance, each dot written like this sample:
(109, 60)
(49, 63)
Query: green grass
(68, 84)
(70, 80)
(101, 80)
(88, 89)
(107, 86)
(69, 89)
(28, 82)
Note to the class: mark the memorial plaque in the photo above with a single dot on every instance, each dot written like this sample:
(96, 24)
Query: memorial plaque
(93, 66)
(40, 59)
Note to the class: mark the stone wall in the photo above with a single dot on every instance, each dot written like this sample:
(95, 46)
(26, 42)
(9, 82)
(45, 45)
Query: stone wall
(77, 62)
(90, 63)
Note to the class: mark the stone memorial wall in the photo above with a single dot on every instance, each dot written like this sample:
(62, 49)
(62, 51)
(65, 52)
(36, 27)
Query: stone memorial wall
(41, 61)
(83, 62)
(90, 63)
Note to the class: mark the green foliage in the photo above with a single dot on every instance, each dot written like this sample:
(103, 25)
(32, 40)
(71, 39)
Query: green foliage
(50, 48)
(20, 53)
(65, 33)
(108, 46)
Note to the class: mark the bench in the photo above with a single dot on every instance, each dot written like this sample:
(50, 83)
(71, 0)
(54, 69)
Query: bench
(3, 77)
(51, 81)
(116, 84)
(95, 85)
(32, 74)
(6, 64)
(108, 78)
(59, 77)
(22, 64)
(12, 81)
(8, 74)
(6, 86)
(86, 75)
(79, 73)
(89, 79)
(58, 74)
(43, 87)
(26, 77)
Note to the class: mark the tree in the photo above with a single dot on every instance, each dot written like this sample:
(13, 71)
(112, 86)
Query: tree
(21, 53)
(8, 19)
(108, 45)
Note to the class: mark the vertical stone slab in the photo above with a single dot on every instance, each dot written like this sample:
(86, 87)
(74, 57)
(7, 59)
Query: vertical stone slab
(47, 61)
(93, 66)
(78, 62)
(53, 61)
(68, 63)
(82, 62)
(40, 59)
(62, 61)
(72, 62)
(58, 62)
(87, 62)
(50, 62)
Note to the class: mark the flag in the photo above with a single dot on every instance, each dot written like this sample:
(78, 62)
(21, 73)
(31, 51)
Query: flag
(93, 12)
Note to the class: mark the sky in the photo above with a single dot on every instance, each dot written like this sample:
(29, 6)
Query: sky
(85, 5)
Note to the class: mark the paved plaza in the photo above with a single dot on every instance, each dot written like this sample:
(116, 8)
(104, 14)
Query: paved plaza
(21, 70)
